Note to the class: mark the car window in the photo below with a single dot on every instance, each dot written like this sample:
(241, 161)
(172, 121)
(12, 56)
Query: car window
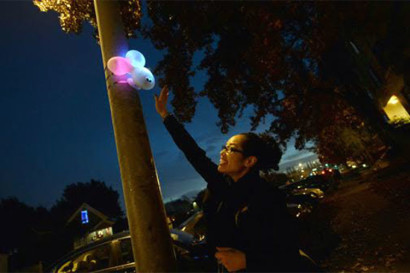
(200, 228)
(126, 251)
(92, 260)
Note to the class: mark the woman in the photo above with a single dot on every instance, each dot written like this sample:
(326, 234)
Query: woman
(248, 225)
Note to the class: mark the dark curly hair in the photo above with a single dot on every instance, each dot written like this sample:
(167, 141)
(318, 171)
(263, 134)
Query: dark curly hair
(264, 148)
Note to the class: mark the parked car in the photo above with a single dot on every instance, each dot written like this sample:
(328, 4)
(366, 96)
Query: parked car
(316, 181)
(114, 254)
(299, 205)
(301, 189)
(312, 192)
(195, 225)
(301, 197)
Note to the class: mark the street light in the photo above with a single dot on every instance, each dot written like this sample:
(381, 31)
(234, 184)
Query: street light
(393, 100)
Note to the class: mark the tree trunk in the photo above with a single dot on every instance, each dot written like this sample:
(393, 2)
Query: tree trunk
(150, 238)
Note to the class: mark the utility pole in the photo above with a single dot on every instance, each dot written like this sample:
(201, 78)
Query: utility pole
(150, 237)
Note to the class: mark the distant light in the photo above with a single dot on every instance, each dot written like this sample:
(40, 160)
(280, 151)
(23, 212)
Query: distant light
(393, 100)
(364, 165)
(354, 166)
(323, 172)
(84, 217)
(194, 205)
(327, 165)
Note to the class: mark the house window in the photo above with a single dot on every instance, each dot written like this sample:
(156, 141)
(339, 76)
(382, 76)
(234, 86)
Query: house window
(84, 216)
(395, 110)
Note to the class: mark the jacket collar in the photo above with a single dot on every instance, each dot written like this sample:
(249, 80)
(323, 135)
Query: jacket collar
(243, 189)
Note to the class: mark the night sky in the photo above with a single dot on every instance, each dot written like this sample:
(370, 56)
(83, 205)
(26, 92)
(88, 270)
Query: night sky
(55, 118)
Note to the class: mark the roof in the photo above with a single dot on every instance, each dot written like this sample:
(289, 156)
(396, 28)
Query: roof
(104, 218)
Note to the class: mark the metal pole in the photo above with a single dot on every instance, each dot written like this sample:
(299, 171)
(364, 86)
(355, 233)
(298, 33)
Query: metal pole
(150, 237)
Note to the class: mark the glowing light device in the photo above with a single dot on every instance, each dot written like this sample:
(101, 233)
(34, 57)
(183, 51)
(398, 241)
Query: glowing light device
(132, 65)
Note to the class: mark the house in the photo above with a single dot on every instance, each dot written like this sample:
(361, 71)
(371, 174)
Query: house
(90, 224)
(385, 86)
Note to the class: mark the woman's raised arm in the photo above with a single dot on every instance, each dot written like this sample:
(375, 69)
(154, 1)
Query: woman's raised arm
(195, 155)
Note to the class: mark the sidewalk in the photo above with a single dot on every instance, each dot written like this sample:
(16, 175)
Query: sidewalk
(364, 226)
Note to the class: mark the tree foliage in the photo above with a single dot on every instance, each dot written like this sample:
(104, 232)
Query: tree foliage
(74, 12)
(95, 193)
(17, 217)
(292, 61)
(37, 234)
(25, 232)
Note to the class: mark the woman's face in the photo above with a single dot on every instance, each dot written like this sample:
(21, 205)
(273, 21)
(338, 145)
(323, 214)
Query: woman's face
(232, 160)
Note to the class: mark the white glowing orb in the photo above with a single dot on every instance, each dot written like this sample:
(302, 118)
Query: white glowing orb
(130, 81)
(143, 78)
(136, 58)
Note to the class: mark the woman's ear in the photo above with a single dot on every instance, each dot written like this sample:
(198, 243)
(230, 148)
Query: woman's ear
(251, 161)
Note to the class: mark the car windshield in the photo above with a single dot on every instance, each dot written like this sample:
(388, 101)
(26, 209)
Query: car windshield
(93, 260)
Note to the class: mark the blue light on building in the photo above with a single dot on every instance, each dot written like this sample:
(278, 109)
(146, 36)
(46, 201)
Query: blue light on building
(84, 217)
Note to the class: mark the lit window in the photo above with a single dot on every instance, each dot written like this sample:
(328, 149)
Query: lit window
(395, 110)
(84, 217)
(393, 100)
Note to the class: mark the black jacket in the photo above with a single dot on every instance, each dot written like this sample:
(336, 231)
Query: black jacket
(249, 215)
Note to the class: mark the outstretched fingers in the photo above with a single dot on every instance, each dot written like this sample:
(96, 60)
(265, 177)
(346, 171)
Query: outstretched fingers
(161, 102)
(163, 96)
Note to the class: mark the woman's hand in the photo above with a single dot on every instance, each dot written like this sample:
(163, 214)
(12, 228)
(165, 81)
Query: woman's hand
(161, 102)
(231, 258)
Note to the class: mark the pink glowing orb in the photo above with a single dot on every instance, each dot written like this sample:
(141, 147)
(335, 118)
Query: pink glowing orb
(119, 66)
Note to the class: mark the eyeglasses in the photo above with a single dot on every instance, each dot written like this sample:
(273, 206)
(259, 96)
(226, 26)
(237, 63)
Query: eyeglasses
(230, 150)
